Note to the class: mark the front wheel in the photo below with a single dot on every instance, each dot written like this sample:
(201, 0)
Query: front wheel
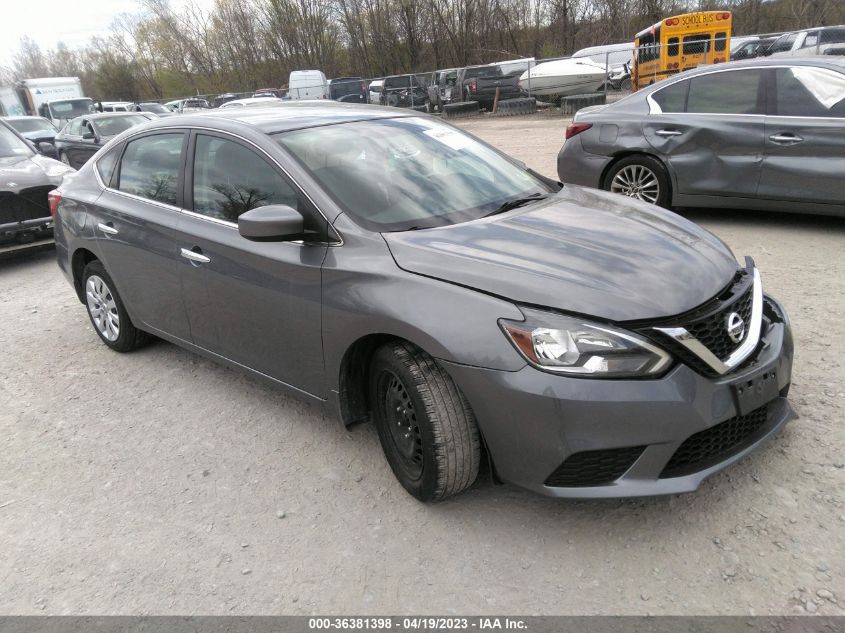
(640, 177)
(425, 425)
(106, 310)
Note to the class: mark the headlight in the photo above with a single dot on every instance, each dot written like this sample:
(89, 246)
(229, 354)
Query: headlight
(578, 347)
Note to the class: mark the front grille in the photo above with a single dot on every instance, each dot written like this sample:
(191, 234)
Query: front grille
(29, 204)
(594, 468)
(708, 323)
(707, 448)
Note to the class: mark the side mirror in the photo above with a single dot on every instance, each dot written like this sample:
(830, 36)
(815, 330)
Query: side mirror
(89, 136)
(273, 223)
(48, 149)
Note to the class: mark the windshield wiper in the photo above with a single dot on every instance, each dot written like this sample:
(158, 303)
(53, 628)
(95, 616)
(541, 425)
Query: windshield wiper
(517, 202)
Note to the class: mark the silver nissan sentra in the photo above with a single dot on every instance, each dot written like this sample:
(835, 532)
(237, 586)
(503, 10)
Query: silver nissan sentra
(398, 270)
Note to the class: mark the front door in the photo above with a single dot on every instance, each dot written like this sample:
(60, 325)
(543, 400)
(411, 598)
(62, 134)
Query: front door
(804, 159)
(710, 131)
(255, 303)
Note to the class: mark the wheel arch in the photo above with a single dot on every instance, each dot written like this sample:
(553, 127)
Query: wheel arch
(638, 152)
(80, 259)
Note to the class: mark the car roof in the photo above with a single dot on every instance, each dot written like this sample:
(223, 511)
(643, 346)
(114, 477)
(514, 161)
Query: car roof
(290, 115)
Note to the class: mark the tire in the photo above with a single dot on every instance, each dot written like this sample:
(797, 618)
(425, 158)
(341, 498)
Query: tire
(107, 312)
(641, 177)
(625, 84)
(426, 427)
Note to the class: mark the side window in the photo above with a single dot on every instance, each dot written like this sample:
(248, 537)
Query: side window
(106, 164)
(75, 127)
(811, 92)
(672, 98)
(833, 36)
(721, 41)
(672, 50)
(230, 179)
(150, 167)
(811, 40)
(732, 92)
(784, 43)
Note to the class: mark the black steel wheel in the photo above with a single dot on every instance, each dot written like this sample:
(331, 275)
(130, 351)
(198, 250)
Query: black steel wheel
(425, 425)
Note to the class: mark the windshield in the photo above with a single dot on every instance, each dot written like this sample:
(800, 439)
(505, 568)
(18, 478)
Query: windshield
(71, 108)
(31, 125)
(397, 174)
(195, 103)
(153, 107)
(112, 125)
(11, 144)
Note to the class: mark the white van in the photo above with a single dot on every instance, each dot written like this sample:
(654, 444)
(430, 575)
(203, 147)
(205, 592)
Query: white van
(304, 85)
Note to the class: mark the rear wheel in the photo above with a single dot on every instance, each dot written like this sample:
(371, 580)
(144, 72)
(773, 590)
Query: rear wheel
(640, 177)
(106, 311)
(426, 427)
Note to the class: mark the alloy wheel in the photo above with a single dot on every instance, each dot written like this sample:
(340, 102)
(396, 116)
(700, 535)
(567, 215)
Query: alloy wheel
(636, 181)
(102, 307)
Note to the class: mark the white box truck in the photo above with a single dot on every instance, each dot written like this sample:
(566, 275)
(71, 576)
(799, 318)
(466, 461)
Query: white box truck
(307, 84)
(58, 99)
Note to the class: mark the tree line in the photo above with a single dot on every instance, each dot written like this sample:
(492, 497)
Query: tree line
(241, 45)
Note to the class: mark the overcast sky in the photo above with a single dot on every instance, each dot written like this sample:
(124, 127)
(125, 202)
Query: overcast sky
(73, 22)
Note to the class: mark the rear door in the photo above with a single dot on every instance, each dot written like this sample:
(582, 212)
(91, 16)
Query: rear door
(710, 130)
(255, 303)
(804, 157)
(135, 222)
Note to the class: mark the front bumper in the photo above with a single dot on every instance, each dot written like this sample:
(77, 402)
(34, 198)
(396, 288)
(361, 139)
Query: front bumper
(533, 422)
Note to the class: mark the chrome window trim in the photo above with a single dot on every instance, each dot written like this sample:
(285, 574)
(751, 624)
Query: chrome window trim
(251, 144)
(654, 108)
(741, 353)
(132, 196)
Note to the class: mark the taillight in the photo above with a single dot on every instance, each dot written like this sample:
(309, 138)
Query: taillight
(573, 129)
(723, 16)
(53, 199)
(473, 87)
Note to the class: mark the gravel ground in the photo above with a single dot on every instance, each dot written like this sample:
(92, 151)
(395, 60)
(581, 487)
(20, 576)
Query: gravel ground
(159, 483)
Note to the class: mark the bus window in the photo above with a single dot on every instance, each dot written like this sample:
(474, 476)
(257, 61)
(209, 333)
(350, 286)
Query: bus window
(696, 44)
(720, 41)
(672, 50)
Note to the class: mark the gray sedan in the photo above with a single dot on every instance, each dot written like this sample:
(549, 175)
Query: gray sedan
(394, 269)
(761, 134)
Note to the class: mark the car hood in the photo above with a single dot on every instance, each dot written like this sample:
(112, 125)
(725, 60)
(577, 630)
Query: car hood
(21, 172)
(583, 251)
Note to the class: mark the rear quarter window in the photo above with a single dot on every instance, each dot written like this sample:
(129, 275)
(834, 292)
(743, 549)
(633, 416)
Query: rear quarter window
(672, 98)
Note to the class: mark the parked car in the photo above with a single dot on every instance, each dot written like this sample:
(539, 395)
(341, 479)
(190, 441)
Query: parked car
(479, 83)
(116, 106)
(253, 101)
(154, 108)
(80, 139)
(441, 84)
(752, 48)
(25, 179)
(305, 85)
(599, 345)
(37, 130)
(404, 91)
(348, 90)
(760, 134)
(193, 105)
(374, 90)
(815, 41)
(276, 93)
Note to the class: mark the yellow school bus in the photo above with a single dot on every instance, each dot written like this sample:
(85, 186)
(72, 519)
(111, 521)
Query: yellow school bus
(678, 43)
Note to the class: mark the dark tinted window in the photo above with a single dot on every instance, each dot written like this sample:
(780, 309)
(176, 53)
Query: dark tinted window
(805, 91)
(150, 167)
(696, 44)
(672, 98)
(734, 92)
(833, 36)
(673, 47)
(230, 179)
(721, 41)
(112, 126)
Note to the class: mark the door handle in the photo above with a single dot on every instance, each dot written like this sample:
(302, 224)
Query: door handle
(108, 229)
(666, 133)
(785, 139)
(194, 256)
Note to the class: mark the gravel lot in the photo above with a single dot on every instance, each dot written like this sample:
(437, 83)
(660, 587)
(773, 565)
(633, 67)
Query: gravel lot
(160, 483)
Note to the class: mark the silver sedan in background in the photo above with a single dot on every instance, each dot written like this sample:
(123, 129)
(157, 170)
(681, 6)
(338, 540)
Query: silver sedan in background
(760, 134)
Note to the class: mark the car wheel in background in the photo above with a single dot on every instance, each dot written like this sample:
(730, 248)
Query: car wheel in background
(106, 310)
(425, 425)
(625, 84)
(641, 177)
